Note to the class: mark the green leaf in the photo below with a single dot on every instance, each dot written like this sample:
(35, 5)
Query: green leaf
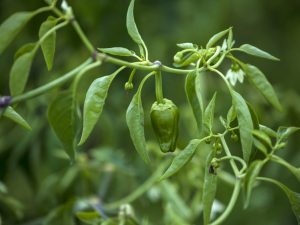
(231, 115)
(230, 41)
(284, 132)
(208, 117)
(249, 180)
(263, 137)
(24, 49)
(20, 70)
(12, 26)
(61, 215)
(61, 115)
(245, 123)
(258, 79)
(91, 217)
(252, 50)
(293, 197)
(133, 30)
(187, 59)
(48, 45)
(209, 189)
(214, 39)
(182, 158)
(135, 122)
(194, 97)
(187, 45)
(295, 171)
(268, 131)
(94, 102)
(119, 51)
(11, 114)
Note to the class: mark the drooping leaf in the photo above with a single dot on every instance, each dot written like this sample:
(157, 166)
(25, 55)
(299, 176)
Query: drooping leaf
(94, 102)
(48, 45)
(12, 26)
(294, 170)
(254, 116)
(215, 38)
(135, 122)
(249, 180)
(208, 117)
(182, 158)
(270, 132)
(11, 114)
(252, 50)
(119, 51)
(62, 118)
(258, 79)
(263, 137)
(245, 124)
(133, 30)
(194, 97)
(284, 132)
(294, 197)
(20, 70)
(209, 189)
(187, 45)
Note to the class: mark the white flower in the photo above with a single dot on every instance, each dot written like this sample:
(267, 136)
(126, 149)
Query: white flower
(217, 208)
(65, 7)
(235, 75)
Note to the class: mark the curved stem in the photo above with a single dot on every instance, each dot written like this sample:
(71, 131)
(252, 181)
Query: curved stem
(227, 151)
(45, 88)
(82, 36)
(233, 199)
(244, 165)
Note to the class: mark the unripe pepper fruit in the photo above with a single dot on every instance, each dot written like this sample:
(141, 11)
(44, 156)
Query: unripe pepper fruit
(164, 119)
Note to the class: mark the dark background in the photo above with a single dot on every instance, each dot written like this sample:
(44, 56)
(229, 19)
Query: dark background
(27, 160)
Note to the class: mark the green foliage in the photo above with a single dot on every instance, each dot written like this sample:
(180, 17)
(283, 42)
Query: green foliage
(110, 184)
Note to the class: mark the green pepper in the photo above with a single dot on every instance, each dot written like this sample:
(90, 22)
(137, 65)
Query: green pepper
(164, 119)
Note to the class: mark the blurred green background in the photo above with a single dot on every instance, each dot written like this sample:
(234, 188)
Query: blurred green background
(35, 172)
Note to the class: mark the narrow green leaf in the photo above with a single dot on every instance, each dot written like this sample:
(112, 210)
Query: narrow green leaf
(94, 102)
(48, 45)
(182, 158)
(194, 97)
(187, 45)
(260, 146)
(209, 113)
(295, 171)
(61, 115)
(263, 137)
(230, 41)
(249, 180)
(284, 132)
(24, 49)
(135, 122)
(258, 79)
(133, 30)
(268, 131)
(293, 197)
(11, 114)
(245, 123)
(252, 50)
(90, 217)
(119, 51)
(61, 215)
(209, 189)
(20, 71)
(254, 116)
(215, 38)
(231, 115)
(12, 26)
(187, 59)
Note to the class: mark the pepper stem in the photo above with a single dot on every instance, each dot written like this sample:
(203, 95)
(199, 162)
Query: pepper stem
(158, 87)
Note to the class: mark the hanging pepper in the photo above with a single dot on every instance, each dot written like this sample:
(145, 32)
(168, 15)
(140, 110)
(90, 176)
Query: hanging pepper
(164, 119)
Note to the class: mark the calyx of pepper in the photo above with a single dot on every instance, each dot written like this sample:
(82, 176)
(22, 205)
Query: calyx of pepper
(164, 119)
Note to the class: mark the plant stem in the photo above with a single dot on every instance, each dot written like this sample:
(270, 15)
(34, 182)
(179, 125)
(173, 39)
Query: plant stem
(158, 87)
(82, 36)
(233, 199)
(227, 151)
(43, 89)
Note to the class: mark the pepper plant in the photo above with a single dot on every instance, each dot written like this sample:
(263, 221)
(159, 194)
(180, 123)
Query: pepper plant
(257, 143)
